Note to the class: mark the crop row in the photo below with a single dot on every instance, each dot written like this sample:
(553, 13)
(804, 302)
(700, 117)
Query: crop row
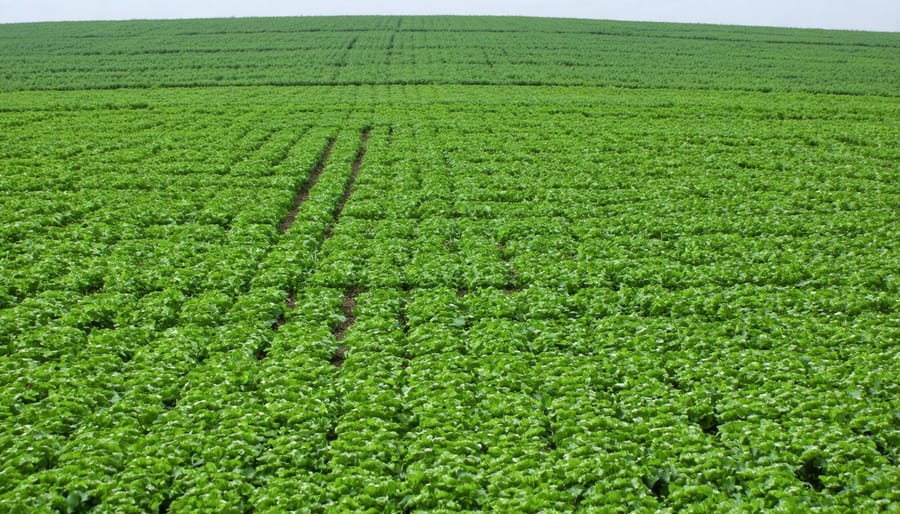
(159, 367)
(541, 320)
(444, 50)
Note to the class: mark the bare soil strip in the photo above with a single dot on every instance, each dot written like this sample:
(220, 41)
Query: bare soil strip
(340, 331)
(303, 194)
(164, 505)
(354, 173)
(290, 303)
(278, 323)
(510, 286)
(349, 317)
(337, 360)
(403, 319)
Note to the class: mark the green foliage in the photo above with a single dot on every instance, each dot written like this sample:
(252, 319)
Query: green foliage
(541, 284)
(459, 50)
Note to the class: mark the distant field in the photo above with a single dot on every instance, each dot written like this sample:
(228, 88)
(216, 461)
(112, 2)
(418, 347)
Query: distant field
(444, 50)
(443, 264)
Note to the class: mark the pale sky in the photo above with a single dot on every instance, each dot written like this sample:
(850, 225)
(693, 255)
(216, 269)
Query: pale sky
(880, 15)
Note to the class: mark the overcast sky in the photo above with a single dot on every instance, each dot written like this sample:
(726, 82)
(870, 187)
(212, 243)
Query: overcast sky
(882, 15)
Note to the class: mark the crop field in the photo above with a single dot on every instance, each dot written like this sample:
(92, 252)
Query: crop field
(448, 264)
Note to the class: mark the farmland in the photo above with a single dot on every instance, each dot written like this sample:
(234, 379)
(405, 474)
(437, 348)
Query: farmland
(424, 264)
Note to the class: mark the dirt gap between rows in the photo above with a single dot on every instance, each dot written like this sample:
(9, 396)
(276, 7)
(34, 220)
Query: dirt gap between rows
(347, 307)
(290, 303)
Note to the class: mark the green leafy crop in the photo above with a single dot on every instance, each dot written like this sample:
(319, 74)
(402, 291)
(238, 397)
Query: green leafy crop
(437, 264)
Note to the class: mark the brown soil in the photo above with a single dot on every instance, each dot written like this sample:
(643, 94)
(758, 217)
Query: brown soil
(511, 288)
(404, 322)
(337, 360)
(291, 303)
(349, 303)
